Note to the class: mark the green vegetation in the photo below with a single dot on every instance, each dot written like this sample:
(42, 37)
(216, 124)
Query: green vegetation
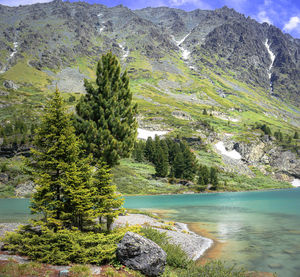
(135, 178)
(105, 119)
(179, 265)
(69, 196)
(66, 194)
(16, 173)
(66, 246)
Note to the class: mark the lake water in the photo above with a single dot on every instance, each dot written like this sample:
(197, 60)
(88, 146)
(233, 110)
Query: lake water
(260, 230)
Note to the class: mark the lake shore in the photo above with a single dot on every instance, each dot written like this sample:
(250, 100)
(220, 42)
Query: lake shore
(193, 244)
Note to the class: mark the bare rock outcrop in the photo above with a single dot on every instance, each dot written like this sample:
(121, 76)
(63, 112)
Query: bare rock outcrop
(139, 253)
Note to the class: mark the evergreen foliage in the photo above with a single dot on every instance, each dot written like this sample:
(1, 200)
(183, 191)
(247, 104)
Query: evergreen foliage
(138, 151)
(161, 163)
(66, 246)
(207, 176)
(214, 178)
(105, 119)
(107, 202)
(170, 156)
(69, 193)
(296, 135)
(63, 194)
(266, 129)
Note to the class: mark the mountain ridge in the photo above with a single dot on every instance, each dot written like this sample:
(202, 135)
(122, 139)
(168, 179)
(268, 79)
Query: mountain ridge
(246, 75)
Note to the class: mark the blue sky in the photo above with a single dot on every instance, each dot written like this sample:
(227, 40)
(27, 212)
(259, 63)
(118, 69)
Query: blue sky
(284, 14)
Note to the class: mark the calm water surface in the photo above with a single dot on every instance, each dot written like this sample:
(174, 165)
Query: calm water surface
(262, 229)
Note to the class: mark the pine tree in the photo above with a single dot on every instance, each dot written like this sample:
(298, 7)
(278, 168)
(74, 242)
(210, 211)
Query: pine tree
(105, 118)
(204, 173)
(178, 165)
(201, 183)
(138, 151)
(214, 178)
(190, 162)
(63, 192)
(107, 202)
(161, 166)
(296, 135)
(149, 150)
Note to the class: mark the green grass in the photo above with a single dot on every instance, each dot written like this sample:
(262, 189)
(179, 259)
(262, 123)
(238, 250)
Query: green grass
(134, 178)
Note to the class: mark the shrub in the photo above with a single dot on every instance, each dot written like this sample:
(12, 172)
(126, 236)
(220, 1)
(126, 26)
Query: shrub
(66, 246)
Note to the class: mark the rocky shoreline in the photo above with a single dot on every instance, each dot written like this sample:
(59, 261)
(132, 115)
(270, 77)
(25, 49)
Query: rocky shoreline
(191, 243)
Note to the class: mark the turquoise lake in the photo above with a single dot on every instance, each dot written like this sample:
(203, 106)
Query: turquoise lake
(260, 230)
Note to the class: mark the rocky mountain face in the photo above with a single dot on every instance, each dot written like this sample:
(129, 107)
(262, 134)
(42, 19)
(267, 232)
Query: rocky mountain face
(179, 63)
(55, 34)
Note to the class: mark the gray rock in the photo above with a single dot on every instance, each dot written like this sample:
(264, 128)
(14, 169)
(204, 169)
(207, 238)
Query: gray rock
(4, 178)
(10, 85)
(141, 254)
(25, 189)
(4, 93)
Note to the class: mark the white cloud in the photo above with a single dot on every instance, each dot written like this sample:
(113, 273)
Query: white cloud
(21, 2)
(293, 24)
(263, 17)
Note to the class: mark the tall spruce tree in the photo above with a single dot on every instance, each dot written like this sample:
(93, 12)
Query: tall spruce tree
(63, 193)
(105, 118)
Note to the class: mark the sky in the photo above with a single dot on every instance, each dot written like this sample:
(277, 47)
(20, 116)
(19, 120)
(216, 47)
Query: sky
(284, 14)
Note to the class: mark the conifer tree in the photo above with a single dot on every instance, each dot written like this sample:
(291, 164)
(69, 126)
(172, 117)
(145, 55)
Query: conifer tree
(204, 173)
(107, 202)
(214, 178)
(63, 192)
(149, 150)
(161, 166)
(296, 135)
(105, 118)
(190, 163)
(138, 151)
(178, 165)
(201, 184)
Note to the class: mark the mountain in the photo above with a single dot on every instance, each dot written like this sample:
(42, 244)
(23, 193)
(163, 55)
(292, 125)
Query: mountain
(245, 74)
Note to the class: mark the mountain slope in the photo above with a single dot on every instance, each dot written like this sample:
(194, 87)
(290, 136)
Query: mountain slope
(245, 74)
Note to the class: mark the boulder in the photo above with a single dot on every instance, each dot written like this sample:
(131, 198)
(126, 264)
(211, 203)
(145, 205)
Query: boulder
(139, 253)
(10, 85)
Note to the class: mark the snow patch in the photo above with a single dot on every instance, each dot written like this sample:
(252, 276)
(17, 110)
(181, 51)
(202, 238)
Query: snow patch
(233, 154)
(144, 134)
(102, 22)
(15, 51)
(296, 183)
(125, 52)
(272, 57)
(185, 53)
